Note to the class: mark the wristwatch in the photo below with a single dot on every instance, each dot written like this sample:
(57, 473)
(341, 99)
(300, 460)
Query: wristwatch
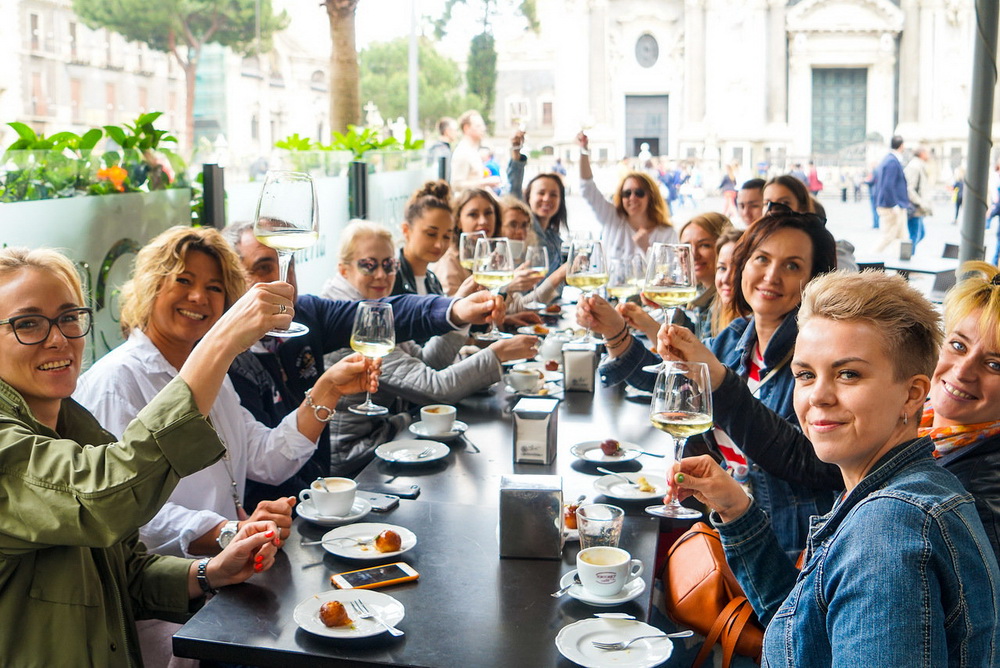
(228, 532)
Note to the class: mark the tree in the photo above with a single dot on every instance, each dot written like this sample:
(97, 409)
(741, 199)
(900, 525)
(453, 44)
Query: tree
(385, 80)
(182, 27)
(345, 93)
(481, 74)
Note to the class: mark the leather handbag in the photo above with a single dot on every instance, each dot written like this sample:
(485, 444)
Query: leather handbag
(702, 593)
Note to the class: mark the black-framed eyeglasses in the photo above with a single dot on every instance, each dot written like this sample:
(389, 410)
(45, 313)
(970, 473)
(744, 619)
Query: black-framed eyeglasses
(369, 265)
(32, 329)
(638, 192)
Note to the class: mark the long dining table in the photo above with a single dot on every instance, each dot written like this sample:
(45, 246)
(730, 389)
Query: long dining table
(469, 607)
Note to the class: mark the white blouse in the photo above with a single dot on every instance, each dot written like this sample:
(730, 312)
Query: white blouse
(616, 233)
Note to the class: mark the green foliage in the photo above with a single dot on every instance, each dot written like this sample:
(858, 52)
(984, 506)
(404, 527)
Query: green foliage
(482, 72)
(385, 81)
(356, 140)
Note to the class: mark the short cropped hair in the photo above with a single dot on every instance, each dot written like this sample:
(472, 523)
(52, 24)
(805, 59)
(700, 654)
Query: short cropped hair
(895, 142)
(234, 234)
(753, 184)
(657, 210)
(466, 118)
(15, 258)
(164, 257)
(909, 324)
(978, 291)
(357, 230)
(444, 124)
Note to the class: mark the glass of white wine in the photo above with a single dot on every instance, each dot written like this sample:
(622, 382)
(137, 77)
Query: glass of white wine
(670, 280)
(588, 271)
(625, 277)
(682, 407)
(537, 259)
(467, 248)
(373, 336)
(493, 268)
(287, 220)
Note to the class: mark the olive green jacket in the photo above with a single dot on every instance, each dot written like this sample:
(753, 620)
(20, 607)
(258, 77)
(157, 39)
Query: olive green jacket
(73, 575)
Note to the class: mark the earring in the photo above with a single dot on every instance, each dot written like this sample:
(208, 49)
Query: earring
(905, 418)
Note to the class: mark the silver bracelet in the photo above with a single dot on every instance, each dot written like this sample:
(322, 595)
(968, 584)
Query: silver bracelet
(317, 408)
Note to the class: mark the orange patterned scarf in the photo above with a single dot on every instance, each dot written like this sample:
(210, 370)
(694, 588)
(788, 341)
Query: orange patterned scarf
(947, 439)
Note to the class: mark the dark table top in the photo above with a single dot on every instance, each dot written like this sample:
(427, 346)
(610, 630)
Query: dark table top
(469, 607)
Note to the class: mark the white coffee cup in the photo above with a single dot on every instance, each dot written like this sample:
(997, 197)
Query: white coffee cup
(524, 380)
(331, 496)
(438, 418)
(604, 571)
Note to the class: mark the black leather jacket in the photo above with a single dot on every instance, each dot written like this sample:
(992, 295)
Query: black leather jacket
(406, 284)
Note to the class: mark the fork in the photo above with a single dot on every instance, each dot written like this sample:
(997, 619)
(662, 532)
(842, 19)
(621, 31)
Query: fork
(628, 482)
(357, 541)
(364, 613)
(614, 646)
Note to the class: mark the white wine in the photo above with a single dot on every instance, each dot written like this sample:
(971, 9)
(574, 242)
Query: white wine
(372, 349)
(467, 264)
(587, 281)
(288, 239)
(681, 424)
(493, 279)
(666, 297)
(623, 292)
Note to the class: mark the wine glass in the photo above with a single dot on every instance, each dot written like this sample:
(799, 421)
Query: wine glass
(373, 336)
(625, 277)
(467, 248)
(588, 271)
(669, 281)
(287, 220)
(493, 268)
(682, 407)
(537, 259)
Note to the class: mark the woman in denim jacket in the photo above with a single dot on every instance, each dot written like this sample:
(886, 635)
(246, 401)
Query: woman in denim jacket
(900, 572)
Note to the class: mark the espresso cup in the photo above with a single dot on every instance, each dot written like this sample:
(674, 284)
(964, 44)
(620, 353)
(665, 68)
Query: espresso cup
(331, 496)
(604, 571)
(438, 418)
(524, 380)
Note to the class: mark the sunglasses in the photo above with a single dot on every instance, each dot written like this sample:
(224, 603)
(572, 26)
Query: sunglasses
(369, 265)
(781, 209)
(638, 192)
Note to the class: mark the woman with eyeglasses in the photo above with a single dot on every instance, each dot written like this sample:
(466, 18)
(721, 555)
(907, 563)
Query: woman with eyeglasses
(428, 228)
(635, 219)
(75, 576)
(411, 374)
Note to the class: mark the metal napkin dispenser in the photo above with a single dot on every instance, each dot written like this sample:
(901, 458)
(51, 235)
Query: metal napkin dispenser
(531, 516)
(535, 430)
(579, 366)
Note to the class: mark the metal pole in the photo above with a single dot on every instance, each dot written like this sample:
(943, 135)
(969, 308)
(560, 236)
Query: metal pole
(413, 109)
(214, 197)
(984, 80)
(357, 187)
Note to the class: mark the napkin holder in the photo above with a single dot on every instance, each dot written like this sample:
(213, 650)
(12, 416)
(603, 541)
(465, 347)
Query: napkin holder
(531, 516)
(579, 366)
(535, 430)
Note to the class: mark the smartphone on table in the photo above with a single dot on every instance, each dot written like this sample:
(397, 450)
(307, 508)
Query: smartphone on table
(375, 577)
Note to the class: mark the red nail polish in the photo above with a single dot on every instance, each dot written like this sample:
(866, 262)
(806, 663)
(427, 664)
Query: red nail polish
(269, 534)
(277, 543)
(258, 567)
(259, 558)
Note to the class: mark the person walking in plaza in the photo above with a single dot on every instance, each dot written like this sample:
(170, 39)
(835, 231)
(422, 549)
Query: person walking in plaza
(814, 184)
(467, 167)
(891, 198)
(441, 148)
(918, 189)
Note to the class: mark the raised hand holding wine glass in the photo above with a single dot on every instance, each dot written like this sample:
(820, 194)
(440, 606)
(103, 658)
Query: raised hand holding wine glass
(287, 220)
(373, 336)
(493, 269)
(682, 407)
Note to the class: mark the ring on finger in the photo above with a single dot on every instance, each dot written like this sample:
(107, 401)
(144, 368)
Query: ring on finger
(281, 309)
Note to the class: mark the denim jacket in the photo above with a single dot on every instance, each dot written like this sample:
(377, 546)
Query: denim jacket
(899, 573)
(789, 505)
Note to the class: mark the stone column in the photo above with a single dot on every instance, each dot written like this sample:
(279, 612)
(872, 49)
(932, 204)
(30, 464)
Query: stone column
(776, 67)
(909, 62)
(694, 61)
(600, 93)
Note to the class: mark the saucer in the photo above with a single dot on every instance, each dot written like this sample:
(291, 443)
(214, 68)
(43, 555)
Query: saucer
(550, 389)
(575, 642)
(419, 429)
(406, 451)
(307, 511)
(629, 592)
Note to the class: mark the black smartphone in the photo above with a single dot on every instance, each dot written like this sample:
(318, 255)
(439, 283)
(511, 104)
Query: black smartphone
(381, 503)
(402, 491)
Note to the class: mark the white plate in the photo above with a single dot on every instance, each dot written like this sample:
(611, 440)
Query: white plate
(307, 511)
(574, 643)
(306, 613)
(530, 330)
(349, 550)
(591, 451)
(616, 488)
(406, 451)
(419, 429)
(550, 389)
(629, 592)
(547, 376)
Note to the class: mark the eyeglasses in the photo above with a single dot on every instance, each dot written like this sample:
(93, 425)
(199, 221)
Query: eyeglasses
(638, 192)
(369, 265)
(33, 329)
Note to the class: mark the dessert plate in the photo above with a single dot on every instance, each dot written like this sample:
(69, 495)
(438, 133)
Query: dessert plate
(350, 550)
(385, 607)
(616, 488)
(407, 451)
(575, 643)
(591, 451)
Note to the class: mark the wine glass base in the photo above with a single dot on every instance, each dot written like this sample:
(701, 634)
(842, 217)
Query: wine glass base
(373, 409)
(675, 512)
(492, 336)
(295, 329)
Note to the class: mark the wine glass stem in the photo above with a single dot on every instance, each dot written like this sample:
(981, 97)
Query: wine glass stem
(679, 444)
(493, 325)
(284, 260)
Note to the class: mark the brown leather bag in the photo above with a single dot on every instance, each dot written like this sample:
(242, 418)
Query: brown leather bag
(702, 593)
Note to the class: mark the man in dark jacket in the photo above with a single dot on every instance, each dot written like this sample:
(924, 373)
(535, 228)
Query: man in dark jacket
(891, 199)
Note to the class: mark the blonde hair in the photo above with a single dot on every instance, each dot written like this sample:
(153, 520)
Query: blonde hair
(713, 223)
(15, 258)
(355, 232)
(909, 324)
(163, 257)
(511, 203)
(656, 209)
(979, 290)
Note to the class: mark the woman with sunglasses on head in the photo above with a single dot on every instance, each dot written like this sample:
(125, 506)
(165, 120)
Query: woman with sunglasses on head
(635, 219)
(900, 571)
(75, 576)
(411, 374)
